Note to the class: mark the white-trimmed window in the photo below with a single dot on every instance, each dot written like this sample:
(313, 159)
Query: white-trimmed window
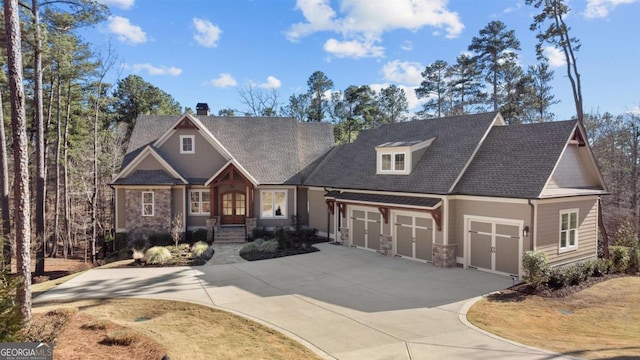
(187, 144)
(273, 203)
(199, 202)
(392, 162)
(148, 207)
(568, 230)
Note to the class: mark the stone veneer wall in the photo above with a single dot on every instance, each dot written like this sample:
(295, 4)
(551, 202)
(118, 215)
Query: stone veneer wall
(139, 226)
(444, 255)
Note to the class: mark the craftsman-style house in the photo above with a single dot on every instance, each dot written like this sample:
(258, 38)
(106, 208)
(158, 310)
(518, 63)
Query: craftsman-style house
(465, 190)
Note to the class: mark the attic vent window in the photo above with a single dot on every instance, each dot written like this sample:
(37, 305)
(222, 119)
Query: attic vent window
(187, 144)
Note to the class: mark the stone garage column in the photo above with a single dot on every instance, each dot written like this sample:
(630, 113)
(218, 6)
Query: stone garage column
(444, 255)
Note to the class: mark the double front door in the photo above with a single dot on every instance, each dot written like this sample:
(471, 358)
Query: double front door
(234, 207)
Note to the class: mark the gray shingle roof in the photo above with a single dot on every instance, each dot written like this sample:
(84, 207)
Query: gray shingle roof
(273, 150)
(148, 177)
(516, 160)
(353, 166)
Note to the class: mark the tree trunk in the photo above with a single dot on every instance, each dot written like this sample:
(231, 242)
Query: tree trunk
(4, 200)
(56, 219)
(68, 247)
(22, 206)
(94, 193)
(39, 120)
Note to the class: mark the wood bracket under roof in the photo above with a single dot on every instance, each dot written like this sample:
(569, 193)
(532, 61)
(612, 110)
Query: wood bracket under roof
(384, 211)
(186, 123)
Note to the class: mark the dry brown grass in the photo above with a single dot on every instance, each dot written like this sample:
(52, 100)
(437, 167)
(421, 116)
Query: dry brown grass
(186, 331)
(600, 322)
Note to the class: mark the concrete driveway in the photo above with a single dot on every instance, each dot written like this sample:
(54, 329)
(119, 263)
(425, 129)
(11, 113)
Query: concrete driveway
(341, 302)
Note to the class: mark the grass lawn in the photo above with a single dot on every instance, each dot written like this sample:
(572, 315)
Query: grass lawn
(183, 330)
(602, 321)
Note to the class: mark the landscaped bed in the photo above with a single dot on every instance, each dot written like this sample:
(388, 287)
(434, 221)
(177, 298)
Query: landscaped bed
(149, 329)
(170, 255)
(279, 243)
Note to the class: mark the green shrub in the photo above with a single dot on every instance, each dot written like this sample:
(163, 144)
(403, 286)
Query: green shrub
(270, 246)
(536, 266)
(157, 255)
(10, 316)
(577, 273)
(199, 235)
(634, 260)
(558, 278)
(602, 267)
(249, 248)
(258, 241)
(120, 241)
(626, 235)
(199, 248)
(306, 235)
(261, 233)
(619, 256)
(160, 239)
(139, 244)
(283, 238)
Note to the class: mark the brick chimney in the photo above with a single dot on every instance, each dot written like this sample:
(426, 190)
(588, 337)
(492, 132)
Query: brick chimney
(202, 109)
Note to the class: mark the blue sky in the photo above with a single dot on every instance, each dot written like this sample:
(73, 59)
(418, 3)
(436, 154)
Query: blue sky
(208, 50)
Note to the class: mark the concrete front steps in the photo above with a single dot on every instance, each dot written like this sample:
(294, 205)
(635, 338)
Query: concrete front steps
(229, 235)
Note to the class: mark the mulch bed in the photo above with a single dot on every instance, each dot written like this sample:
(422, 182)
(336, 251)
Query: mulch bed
(520, 291)
(253, 256)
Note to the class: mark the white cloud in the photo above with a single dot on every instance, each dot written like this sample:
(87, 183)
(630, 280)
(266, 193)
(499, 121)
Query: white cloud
(156, 70)
(365, 21)
(224, 80)
(635, 110)
(353, 48)
(511, 9)
(601, 8)
(272, 83)
(555, 56)
(122, 4)
(207, 34)
(125, 31)
(406, 45)
(403, 72)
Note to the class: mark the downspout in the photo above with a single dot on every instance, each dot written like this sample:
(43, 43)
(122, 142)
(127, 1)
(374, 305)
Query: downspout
(532, 225)
(328, 219)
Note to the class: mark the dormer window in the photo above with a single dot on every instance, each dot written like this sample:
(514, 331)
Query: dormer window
(187, 144)
(400, 157)
(392, 162)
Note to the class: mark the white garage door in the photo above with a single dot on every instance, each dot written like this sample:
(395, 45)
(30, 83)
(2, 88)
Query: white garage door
(366, 227)
(494, 244)
(414, 235)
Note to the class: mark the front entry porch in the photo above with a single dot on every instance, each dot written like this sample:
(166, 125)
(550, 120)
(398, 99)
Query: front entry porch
(232, 206)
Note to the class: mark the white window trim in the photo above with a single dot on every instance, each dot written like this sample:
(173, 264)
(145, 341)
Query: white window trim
(393, 170)
(201, 202)
(153, 203)
(273, 196)
(568, 247)
(193, 144)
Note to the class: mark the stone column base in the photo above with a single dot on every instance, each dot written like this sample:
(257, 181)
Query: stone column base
(386, 245)
(250, 223)
(444, 255)
(344, 236)
(212, 225)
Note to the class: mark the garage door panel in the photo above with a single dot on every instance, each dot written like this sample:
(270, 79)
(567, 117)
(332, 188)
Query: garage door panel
(374, 229)
(508, 230)
(404, 220)
(424, 222)
(358, 232)
(404, 241)
(477, 226)
(507, 250)
(358, 214)
(424, 244)
(480, 249)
